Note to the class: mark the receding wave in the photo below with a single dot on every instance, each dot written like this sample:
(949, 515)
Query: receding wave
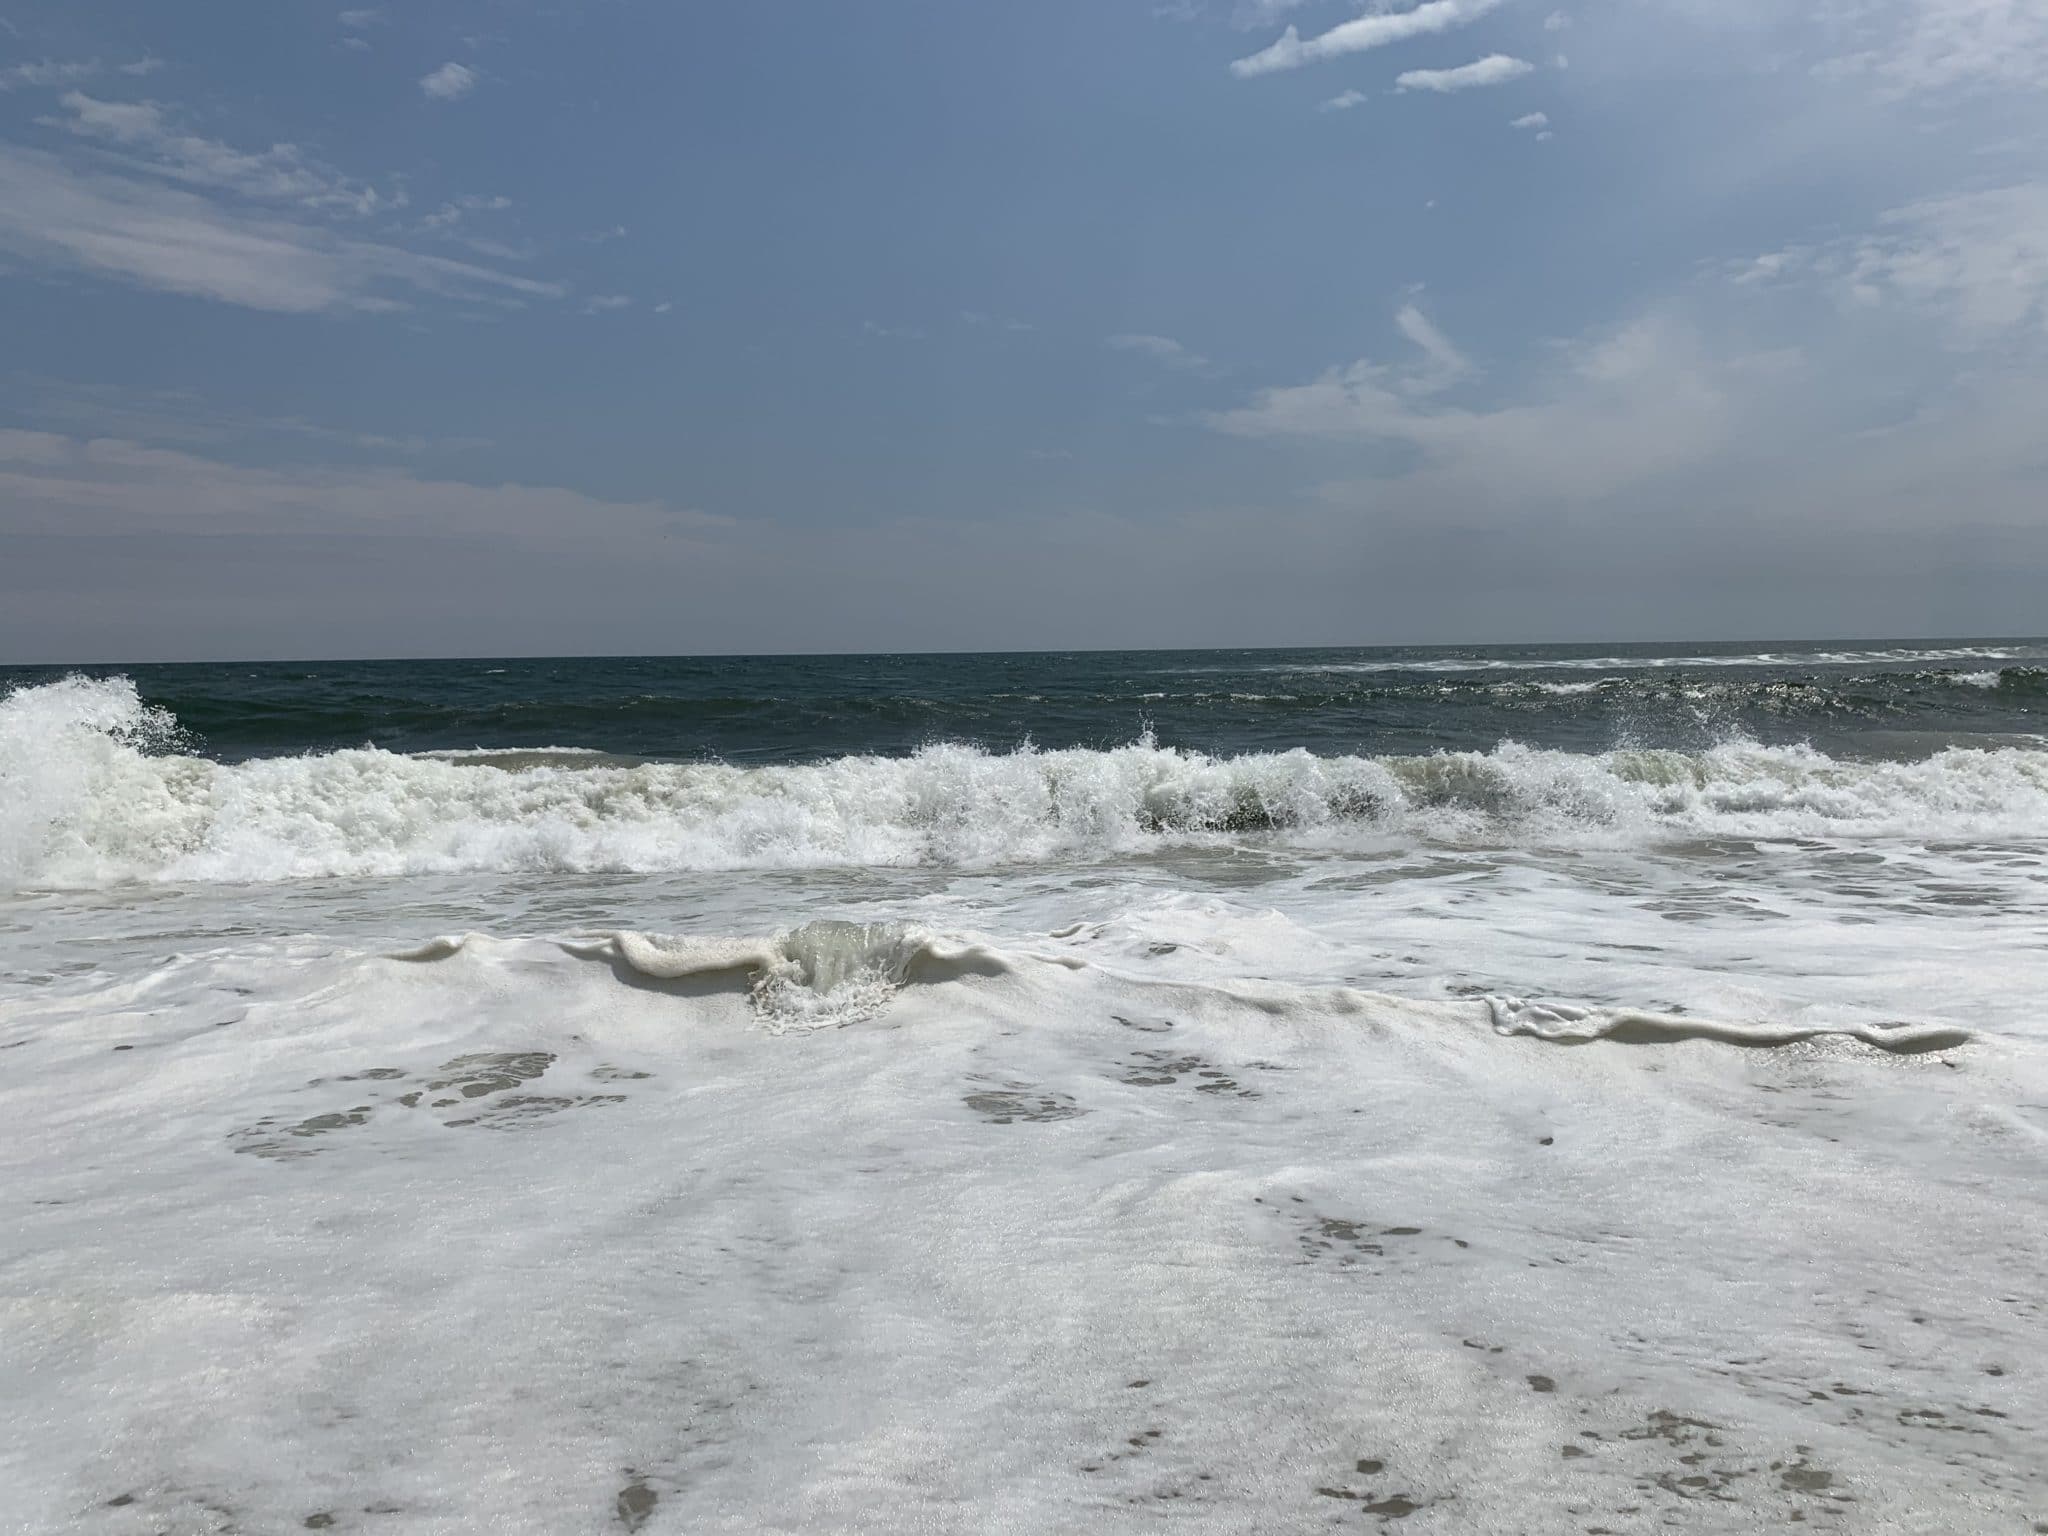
(93, 788)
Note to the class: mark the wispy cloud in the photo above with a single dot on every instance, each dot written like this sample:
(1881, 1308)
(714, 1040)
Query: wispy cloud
(605, 303)
(181, 417)
(1531, 120)
(177, 241)
(354, 24)
(1378, 30)
(281, 173)
(1933, 45)
(1443, 364)
(48, 74)
(453, 212)
(1494, 69)
(1627, 407)
(1163, 350)
(1251, 14)
(1982, 257)
(984, 321)
(1344, 102)
(451, 82)
(1975, 261)
(68, 485)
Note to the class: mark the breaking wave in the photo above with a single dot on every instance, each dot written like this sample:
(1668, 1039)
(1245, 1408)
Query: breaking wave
(94, 788)
(1802, 657)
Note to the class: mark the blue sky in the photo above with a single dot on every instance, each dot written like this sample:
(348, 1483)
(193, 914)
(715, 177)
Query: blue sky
(487, 328)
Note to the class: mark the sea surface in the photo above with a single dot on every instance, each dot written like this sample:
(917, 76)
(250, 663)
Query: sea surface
(1545, 1089)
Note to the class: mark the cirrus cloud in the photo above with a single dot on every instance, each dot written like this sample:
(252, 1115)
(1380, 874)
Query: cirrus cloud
(177, 241)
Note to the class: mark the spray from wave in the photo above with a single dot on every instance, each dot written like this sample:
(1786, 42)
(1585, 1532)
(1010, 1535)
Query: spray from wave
(94, 789)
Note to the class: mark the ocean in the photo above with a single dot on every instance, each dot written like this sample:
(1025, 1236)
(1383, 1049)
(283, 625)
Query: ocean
(1542, 1089)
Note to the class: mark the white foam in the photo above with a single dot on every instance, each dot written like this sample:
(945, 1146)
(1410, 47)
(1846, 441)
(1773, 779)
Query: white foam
(502, 1238)
(87, 800)
(1568, 1024)
(826, 973)
(1882, 657)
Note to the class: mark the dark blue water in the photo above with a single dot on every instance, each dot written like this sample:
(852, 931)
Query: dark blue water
(1869, 698)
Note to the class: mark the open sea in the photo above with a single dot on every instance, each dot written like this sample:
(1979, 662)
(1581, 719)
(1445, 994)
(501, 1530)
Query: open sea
(1545, 1089)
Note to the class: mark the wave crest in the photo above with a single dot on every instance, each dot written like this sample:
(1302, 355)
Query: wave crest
(93, 789)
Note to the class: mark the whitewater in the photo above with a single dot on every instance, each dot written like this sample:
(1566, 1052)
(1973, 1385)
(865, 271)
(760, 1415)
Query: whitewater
(438, 1109)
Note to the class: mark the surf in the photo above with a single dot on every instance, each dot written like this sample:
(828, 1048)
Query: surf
(98, 788)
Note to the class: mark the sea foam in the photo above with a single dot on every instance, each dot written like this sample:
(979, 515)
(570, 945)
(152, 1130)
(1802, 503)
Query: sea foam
(93, 789)
(528, 1241)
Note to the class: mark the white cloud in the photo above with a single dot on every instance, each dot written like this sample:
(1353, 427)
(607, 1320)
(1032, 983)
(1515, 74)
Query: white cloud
(355, 21)
(1345, 102)
(1494, 69)
(1974, 262)
(1532, 120)
(1624, 409)
(1163, 350)
(1444, 364)
(664, 306)
(1937, 44)
(1556, 21)
(1377, 30)
(180, 242)
(451, 82)
(281, 173)
(605, 303)
(1981, 258)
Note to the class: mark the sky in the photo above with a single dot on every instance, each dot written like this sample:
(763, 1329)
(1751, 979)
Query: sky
(474, 327)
